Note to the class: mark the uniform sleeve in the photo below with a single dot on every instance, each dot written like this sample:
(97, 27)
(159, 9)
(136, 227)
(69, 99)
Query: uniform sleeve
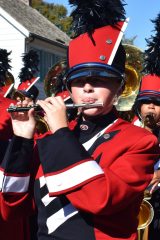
(90, 187)
(6, 131)
(15, 197)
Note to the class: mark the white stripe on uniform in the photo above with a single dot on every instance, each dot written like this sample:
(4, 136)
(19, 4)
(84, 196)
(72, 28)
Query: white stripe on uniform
(57, 219)
(15, 184)
(73, 176)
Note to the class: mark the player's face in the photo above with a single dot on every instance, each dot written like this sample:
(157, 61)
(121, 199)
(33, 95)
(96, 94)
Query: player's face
(92, 90)
(151, 107)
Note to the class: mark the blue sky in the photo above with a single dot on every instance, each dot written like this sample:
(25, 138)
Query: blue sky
(140, 13)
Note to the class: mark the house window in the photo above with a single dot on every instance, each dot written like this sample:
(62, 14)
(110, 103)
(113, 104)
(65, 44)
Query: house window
(47, 60)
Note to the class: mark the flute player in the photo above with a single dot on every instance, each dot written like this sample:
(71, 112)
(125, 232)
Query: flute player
(90, 172)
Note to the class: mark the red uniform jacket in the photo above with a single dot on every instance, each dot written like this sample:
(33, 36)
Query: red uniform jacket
(89, 191)
(17, 229)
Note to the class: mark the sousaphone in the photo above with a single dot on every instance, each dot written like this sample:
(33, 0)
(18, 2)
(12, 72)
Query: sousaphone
(145, 216)
(133, 68)
(53, 82)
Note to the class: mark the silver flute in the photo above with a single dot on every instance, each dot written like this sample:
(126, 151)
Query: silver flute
(38, 108)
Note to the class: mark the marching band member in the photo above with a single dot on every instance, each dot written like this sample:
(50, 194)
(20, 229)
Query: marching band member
(8, 229)
(17, 228)
(8, 94)
(147, 110)
(27, 77)
(91, 176)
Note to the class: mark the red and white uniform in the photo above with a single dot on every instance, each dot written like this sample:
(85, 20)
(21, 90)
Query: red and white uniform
(88, 184)
(13, 229)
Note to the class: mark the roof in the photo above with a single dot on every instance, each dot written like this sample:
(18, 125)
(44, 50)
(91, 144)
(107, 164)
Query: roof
(33, 21)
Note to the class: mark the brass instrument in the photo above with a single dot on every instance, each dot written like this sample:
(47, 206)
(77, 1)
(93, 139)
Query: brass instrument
(133, 68)
(145, 216)
(149, 122)
(146, 212)
(53, 82)
(38, 108)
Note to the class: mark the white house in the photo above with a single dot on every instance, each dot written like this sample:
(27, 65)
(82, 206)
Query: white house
(23, 28)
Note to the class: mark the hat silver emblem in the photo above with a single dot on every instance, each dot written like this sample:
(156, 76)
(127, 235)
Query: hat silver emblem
(109, 41)
(102, 57)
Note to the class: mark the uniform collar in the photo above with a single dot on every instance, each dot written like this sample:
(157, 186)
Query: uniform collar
(96, 124)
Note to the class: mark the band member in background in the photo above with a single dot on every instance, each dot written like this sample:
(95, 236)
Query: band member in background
(8, 229)
(147, 109)
(20, 228)
(9, 95)
(92, 172)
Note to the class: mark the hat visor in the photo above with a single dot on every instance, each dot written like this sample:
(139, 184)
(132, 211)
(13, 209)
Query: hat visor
(147, 99)
(92, 70)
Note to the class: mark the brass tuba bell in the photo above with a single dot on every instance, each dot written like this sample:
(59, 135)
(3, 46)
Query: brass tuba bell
(146, 214)
(53, 82)
(133, 68)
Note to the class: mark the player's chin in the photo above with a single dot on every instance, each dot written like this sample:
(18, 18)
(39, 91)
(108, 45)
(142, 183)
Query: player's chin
(92, 112)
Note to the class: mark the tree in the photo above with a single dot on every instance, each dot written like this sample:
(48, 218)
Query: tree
(55, 13)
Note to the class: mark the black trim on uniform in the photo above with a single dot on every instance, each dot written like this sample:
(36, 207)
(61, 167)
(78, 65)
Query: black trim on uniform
(61, 145)
(3, 148)
(104, 138)
(18, 156)
(78, 227)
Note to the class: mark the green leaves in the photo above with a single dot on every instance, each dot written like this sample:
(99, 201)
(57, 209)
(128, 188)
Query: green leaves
(55, 13)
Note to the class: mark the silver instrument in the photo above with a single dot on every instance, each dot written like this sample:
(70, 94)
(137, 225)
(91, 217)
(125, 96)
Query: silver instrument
(68, 106)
